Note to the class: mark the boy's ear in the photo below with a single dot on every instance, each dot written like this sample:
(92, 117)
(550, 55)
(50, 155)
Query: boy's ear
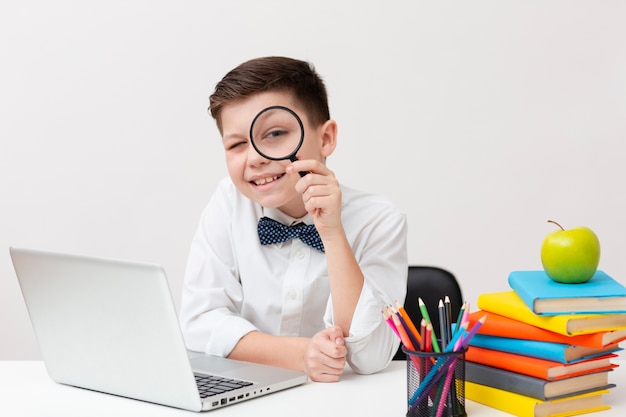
(329, 137)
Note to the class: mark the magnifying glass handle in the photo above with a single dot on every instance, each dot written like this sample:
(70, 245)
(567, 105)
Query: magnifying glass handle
(294, 159)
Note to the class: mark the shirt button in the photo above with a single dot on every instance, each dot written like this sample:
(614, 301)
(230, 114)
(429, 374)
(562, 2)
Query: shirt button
(299, 254)
(292, 295)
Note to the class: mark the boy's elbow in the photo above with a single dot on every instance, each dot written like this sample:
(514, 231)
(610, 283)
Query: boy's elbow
(371, 354)
(369, 367)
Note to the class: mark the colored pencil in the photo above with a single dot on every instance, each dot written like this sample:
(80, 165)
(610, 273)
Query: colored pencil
(387, 316)
(468, 335)
(443, 332)
(433, 336)
(410, 325)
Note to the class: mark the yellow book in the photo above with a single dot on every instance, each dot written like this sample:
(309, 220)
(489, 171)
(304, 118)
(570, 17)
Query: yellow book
(522, 406)
(509, 304)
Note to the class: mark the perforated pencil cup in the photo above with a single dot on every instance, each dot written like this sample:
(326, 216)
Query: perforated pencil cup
(435, 384)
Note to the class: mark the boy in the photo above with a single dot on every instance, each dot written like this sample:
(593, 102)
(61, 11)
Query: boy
(289, 304)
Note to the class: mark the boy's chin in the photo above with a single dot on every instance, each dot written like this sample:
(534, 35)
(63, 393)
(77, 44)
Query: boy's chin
(292, 207)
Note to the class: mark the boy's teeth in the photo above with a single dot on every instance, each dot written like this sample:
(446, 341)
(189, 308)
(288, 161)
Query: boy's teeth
(265, 180)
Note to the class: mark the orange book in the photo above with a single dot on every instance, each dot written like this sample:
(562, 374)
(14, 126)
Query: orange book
(539, 368)
(497, 325)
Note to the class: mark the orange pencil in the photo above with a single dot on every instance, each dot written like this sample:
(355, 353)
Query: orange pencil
(416, 343)
(406, 341)
(409, 322)
(404, 337)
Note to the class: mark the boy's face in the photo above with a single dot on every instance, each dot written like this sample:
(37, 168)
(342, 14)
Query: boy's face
(260, 179)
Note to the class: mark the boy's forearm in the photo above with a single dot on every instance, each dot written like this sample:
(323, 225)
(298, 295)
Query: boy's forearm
(282, 351)
(345, 280)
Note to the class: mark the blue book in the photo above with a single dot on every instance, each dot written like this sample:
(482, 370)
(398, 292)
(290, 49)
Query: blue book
(556, 352)
(600, 295)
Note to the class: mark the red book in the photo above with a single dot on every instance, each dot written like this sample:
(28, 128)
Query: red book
(539, 368)
(497, 325)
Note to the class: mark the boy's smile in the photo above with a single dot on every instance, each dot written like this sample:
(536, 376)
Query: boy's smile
(266, 180)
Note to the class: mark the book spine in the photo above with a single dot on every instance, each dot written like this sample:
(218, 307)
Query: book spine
(508, 304)
(497, 325)
(506, 380)
(506, 401)
(537, 368)
(523, 406)
(544, 350)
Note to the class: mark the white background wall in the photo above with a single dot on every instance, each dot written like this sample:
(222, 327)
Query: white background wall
(481, 119)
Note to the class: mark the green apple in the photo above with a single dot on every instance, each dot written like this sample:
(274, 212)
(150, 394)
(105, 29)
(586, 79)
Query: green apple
(570, 256)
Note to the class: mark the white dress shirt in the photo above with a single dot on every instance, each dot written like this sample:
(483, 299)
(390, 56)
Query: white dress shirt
(233, 285)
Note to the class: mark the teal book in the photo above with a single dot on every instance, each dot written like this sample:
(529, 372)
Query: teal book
(602, 294)
(556, 352)
(536, 387)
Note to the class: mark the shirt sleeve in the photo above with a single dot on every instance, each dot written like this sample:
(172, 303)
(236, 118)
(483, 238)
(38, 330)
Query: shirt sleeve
(212, 294)
(381, 252)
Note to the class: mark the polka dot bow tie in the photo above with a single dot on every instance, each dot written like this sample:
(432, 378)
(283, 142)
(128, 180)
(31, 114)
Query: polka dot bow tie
(271, 231)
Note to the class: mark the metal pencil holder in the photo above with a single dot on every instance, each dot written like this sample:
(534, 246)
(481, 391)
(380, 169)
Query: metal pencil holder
(435, 384)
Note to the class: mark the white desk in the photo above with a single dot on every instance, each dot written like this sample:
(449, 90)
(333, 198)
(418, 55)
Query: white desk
(27, 391)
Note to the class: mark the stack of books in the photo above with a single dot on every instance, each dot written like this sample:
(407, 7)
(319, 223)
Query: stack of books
(546, 348)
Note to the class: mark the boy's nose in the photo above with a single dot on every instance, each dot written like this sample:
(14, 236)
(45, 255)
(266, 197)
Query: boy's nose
(254, 158)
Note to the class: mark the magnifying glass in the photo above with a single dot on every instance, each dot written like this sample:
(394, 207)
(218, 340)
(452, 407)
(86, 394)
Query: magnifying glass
(277, 134)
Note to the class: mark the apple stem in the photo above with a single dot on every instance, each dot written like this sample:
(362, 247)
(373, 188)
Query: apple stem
(552, 221)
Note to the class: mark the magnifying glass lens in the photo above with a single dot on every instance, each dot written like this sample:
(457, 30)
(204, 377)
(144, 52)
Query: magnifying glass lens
(277, 133)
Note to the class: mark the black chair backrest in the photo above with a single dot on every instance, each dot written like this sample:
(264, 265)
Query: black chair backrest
(431, 284)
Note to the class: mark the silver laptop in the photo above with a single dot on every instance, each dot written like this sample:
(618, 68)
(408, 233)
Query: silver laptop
(111, 326)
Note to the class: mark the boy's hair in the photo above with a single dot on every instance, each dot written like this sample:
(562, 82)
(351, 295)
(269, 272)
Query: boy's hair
(273, 74)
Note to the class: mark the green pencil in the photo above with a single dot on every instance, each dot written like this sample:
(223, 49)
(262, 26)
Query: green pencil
(425, 315)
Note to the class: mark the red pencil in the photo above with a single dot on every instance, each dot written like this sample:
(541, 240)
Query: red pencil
(428, 345)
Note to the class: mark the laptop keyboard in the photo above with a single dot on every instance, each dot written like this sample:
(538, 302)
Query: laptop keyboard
(209, 385)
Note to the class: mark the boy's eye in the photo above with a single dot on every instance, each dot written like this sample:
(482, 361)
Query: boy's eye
(235, 145)
(276, 133)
